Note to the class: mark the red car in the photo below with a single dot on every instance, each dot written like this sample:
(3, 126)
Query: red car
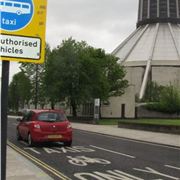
(44, 126)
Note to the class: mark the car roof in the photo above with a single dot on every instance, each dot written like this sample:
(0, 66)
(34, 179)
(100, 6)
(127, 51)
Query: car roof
(45, 110)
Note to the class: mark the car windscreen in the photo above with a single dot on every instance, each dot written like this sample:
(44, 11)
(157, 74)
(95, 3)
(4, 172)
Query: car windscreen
(51, 117)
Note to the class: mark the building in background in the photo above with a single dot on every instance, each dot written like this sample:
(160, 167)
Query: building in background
(150, 53)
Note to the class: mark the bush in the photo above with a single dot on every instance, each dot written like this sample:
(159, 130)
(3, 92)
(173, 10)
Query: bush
(169, 101)
(153, 92)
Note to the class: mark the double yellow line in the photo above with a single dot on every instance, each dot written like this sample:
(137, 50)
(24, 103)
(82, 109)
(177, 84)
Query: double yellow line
(37, 161)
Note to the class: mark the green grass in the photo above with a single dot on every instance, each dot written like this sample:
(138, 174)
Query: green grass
(175, 122)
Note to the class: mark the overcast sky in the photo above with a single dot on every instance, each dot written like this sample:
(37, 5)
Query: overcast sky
(101, 23)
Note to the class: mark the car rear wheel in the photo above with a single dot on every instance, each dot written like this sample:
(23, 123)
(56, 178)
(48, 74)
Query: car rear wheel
(30, 140)
(18, 136)
(68, 143)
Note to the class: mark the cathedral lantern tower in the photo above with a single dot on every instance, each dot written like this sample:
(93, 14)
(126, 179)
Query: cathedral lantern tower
(158, 11)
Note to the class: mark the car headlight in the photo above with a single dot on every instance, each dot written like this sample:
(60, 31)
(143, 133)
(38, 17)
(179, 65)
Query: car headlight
(37, 126)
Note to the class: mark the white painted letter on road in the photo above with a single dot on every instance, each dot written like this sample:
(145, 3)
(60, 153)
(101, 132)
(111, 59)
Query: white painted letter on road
(108, 175)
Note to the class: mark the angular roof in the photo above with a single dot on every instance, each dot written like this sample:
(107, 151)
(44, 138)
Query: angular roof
(158, 44)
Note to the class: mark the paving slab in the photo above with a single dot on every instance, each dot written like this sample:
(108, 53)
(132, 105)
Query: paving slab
(154, 137)
(20, 168)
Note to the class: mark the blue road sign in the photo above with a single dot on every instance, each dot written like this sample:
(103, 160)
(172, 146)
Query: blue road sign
(15, 14)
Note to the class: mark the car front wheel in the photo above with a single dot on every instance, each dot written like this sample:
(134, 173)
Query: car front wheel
(18, 136)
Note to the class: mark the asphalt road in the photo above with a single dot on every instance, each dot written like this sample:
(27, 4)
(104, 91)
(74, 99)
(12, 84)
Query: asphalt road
(100, 157)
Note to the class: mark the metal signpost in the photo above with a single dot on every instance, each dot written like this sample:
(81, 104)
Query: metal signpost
(96, 109)
(22, 38)
(0, 116)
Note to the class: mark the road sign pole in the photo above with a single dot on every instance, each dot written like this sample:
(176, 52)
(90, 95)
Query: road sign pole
(23, 40)
(36, 87)
(4, 108)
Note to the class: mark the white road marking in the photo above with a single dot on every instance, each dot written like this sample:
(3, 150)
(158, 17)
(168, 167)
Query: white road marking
(132, 140)
(127, 155)
(153, 171)
(84, 160)
(58, 150)
(109, 174)
(173, 167)
(33, 150)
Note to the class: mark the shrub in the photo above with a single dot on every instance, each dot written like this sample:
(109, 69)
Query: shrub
(153, 92)
(169, 101)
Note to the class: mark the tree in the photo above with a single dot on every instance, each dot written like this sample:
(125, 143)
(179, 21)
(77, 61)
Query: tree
(35, 72)
(19, 91)
(80, 73)
(51, 81)
(104, 77)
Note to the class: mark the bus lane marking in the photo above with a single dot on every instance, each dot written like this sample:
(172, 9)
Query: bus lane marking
(153, 171)
(121, 175)
(107, 175)
(84, 160)
(107, 150)
(59, 150)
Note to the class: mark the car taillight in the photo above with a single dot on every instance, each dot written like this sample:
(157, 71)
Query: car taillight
(37, 126)
(69, 126)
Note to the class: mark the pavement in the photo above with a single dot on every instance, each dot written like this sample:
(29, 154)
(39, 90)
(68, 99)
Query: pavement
(20, 168)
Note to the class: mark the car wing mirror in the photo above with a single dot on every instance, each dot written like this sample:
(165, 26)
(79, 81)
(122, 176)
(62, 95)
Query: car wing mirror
(18, 119)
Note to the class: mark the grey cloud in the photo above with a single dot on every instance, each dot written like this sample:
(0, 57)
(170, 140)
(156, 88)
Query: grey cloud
(90, 20)
(101, 23)
(90, 11)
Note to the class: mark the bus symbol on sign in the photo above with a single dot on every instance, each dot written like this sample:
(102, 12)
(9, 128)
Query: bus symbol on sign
(15, 14)
(15, 7)
(22, 27)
